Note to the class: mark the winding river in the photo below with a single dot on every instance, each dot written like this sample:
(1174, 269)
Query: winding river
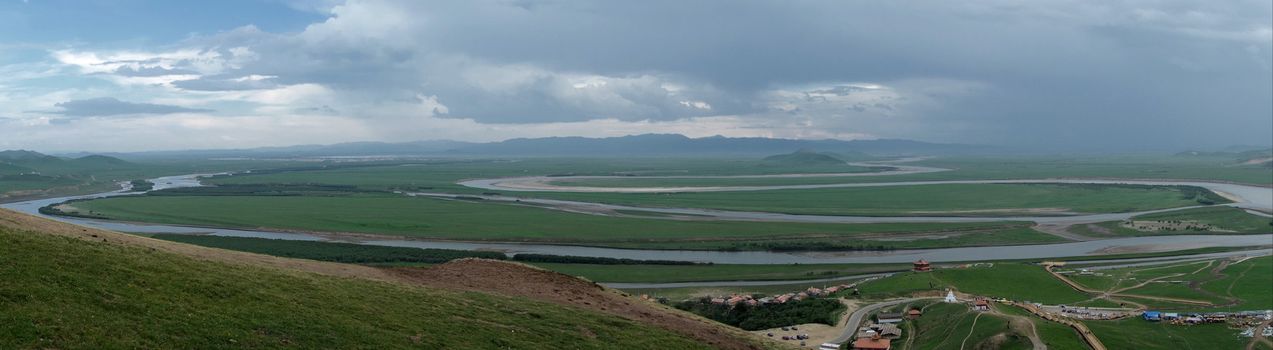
(1248, 197)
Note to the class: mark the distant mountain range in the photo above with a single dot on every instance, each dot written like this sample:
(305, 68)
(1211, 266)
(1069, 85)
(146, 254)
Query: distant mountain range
(637, 145)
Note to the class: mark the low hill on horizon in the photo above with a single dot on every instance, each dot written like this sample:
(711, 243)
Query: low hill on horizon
(28, 161)
(803, 157)
(635, 145)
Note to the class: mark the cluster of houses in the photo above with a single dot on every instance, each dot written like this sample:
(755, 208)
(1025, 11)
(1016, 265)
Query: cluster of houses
(879, 335)
(812, 292)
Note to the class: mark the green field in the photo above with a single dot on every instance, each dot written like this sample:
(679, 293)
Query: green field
(1055, 335)
(329, 251)
(1247, 285)
(955, 326)
(64, 293)
(1014, 281)
(717, 272)
(1135, 333)
(1221, 220)
(926, 200)
(1251, 281)
(442, 175)
(450, 219)
(1110, 279)
(40, 176)
(978, 168)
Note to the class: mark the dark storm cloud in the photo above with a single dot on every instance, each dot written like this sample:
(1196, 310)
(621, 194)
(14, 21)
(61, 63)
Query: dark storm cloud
(1091, 74)
(109, 106)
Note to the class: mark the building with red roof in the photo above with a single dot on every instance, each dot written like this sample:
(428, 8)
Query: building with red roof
(923, 265)
(874, 343)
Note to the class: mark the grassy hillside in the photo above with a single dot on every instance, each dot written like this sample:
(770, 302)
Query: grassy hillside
(67, 293)
(954, 326)
(802, 158)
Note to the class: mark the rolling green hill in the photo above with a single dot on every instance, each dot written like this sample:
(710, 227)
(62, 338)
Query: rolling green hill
(802, 158)
(31, 161)
(96, 289)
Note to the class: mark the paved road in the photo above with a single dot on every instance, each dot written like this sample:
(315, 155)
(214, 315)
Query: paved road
(811, 283)
(814, 282)
(850, 327)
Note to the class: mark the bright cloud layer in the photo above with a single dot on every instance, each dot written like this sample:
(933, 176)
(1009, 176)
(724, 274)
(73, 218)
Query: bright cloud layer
(1073, 74)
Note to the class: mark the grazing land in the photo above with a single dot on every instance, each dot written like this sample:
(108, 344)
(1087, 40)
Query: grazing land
(716, 272)
(68, 293)
(388, 214)
(1015, 281)
(329, 251)
(1218, 284)
(1205, 168)
(1055, 335)
(925, 200)
(1135, 333)
(1210, 220)
(26, 175)
(442, 175)
(955, 326)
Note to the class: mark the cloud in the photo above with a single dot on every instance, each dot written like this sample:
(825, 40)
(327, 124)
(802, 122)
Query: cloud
(1050, 74)
(150, 71)
(250, 82)
(109, 106)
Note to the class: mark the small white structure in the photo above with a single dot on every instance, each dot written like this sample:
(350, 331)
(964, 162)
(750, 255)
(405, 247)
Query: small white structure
(950, 297)
(829, 346)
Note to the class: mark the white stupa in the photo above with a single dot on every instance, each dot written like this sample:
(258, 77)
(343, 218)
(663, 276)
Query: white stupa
(950, 297)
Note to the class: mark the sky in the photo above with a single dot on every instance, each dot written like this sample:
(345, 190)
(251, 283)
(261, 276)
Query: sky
(1115, 75)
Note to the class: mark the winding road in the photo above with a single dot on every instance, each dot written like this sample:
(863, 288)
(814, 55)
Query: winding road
(850, 327)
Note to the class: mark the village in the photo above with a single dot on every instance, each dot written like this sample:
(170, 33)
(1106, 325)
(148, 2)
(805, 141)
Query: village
(879, 330)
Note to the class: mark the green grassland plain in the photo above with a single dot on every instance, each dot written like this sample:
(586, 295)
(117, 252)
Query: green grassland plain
(1221, 220)
(388, 214)
(924, 200)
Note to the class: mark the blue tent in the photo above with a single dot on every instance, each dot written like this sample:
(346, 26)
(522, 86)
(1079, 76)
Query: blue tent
(1152, 315)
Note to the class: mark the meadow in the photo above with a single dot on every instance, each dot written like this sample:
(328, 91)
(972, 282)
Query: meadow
(955, 326)
(925, 200)
(66, 293)
(442, 175)
(1014, 281)
(1206, 168)
(328, 251)
(1055, 335)
(1135, 333)
(1221, 220)
(388, 214)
